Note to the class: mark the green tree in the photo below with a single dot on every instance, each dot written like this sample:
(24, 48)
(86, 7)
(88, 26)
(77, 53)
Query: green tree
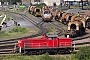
(83, 54)
(14, 1)
(11, 1)
(40, 5)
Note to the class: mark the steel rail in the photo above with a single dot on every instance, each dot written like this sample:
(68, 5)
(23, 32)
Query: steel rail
(10, 43)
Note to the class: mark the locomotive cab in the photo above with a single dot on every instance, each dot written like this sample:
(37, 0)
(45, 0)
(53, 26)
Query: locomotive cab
(52, 37)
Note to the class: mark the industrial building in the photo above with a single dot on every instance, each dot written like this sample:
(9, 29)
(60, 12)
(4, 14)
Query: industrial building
(48, 2)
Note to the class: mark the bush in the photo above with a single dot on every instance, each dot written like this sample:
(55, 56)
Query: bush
(46, 57)
(8, 18)
(19, 29)
(83, 54)
(73, 58)
(3, 33)
(40, 5)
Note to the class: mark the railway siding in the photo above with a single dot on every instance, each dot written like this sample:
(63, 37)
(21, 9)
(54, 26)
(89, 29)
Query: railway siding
(87, 40)
(77, 41)
(7, 46)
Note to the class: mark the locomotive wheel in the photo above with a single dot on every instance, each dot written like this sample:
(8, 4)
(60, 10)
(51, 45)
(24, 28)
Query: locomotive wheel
(55, 51)
(58, 52)
(32, 52)
(39, 52)
(25, 53)
(67, 51)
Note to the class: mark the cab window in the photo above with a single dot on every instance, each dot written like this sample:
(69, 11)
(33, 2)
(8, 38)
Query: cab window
(52, 38)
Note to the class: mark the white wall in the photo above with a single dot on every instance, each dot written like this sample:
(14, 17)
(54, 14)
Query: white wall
(50, 2)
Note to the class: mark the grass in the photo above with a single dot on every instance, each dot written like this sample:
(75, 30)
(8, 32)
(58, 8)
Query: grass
(1, 12)
(52, 30)
(16, 10)
(13, 34)
(8, 18)
(33, 57)
(83, 52)
(16, 57)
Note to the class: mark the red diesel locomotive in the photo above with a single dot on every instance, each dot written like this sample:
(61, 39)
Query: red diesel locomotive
(49, 43)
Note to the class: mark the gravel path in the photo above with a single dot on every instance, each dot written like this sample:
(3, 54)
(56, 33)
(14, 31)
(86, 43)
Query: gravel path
(75, 11)
(20, 20)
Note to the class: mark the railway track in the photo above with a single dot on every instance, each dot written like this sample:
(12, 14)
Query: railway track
(78, 41)
(7, 46)
(59, 28)
(84, 36)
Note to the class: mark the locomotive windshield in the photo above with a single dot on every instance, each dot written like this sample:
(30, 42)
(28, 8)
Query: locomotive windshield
(52, 37)
(46, 12)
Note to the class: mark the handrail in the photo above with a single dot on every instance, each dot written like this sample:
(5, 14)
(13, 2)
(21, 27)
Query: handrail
(26, 45)
(3, 19)
(65, 44)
